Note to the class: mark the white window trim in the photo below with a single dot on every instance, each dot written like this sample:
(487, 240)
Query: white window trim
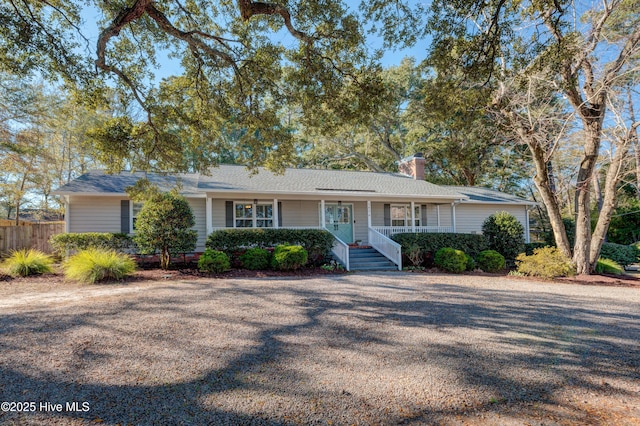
(131, 221)
(407, 214)
(254, 212)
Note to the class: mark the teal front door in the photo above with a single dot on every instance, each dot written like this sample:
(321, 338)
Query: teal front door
(338, 219)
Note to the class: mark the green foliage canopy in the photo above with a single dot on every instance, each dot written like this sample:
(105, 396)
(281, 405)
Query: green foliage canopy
(164, 224)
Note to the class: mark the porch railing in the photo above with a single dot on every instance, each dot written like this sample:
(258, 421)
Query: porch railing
(386, 246)
(388, 231)
(340, 250)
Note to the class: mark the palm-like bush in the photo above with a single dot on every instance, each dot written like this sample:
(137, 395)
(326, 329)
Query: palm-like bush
(28, 262)
(92, 265)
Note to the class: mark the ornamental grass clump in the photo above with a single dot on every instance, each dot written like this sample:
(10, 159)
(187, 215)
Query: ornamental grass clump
(451, 260)
(214, 261)
(93, 265)
(608, 266)
(546, 262)
(28, 262)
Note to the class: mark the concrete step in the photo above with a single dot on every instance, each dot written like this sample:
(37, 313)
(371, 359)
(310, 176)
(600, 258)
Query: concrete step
(369, 260)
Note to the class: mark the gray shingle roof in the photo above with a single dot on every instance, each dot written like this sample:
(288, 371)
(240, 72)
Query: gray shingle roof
(309, 181)
(99, 182)
(485, 195)
(237, 179)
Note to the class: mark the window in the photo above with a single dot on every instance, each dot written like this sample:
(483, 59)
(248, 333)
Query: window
(247, 215)
(135, 210)
(401, 215)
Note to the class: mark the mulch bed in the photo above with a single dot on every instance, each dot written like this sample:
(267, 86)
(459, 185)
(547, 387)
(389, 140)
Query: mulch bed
(156, 274)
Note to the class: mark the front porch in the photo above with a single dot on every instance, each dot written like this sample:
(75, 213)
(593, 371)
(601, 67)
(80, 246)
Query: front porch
(350, 221)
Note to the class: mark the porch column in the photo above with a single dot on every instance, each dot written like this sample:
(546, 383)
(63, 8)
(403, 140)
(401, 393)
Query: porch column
(369, 213)
(67, 214)
(413, 217)
(453, 217)
(209, 214)
(527, 230)
(438, 214)
(322, 212)
(276, 223)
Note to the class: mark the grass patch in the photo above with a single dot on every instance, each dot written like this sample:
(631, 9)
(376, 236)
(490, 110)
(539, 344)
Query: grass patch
(28, 262)
(93, 265)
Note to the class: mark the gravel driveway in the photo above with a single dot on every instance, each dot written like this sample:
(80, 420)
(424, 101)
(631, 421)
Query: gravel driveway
(348, 349)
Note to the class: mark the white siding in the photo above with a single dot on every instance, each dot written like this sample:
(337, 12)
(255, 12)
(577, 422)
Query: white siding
(95, 214)
(198, 206)
(470, 217)
(300, 213)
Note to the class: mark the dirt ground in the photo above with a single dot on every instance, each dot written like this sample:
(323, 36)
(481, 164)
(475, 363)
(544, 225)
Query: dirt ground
(309, 347)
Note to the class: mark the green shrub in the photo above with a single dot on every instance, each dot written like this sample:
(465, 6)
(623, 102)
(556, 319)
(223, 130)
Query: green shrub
(214, 261)
(256, 258)
(430, 243)
(316, 242)
(28, 262)
(451, 260)
(546, 262)
(471, 264)
(619, 253)
(491, 261)
(164, 225)
(289, 257)
(69, 242)
(505, 234)
(608, 266)
(94, 264)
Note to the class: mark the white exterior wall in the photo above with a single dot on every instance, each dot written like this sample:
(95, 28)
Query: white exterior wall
(199, 212)
(300, 213)
(94, 214)
(102, 214)
(470, 217)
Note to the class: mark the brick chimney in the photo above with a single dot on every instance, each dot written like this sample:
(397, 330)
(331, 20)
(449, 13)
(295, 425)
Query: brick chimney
(413, 166)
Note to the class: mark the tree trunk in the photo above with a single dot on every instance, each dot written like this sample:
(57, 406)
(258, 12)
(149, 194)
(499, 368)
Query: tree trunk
(609, 202)
(549, 198)
(165, 258)
(582, 248)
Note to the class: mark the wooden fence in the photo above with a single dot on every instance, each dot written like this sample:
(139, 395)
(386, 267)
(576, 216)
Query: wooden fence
(34, 236)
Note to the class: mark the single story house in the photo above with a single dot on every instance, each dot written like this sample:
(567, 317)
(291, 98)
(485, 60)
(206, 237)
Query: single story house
(363, 207)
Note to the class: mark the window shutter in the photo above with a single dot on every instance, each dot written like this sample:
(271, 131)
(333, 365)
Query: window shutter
(423, 215)
(228, 208)
(279, 214)
(387, 215)
(125, 217)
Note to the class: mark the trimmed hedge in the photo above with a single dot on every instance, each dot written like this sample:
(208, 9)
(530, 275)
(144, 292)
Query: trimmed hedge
(491, 261)
(505, 234)
(430, 243)
(451, 260)
(619, 253)
(69, 242)
(214, 261)
(289, 258)
(316, 242)
(255, 259)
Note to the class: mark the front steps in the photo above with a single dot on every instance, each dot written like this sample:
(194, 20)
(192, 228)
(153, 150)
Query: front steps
(369, 259)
